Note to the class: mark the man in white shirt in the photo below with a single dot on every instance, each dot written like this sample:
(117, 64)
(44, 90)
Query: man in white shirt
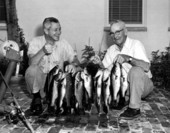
(45, 52)
(131, 54)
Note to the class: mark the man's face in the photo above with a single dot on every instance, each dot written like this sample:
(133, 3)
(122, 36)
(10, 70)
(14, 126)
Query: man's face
(54, 31)
(118, 34)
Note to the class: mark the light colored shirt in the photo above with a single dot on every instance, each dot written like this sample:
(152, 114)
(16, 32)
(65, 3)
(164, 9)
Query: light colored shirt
(133, 48)
(62, 51)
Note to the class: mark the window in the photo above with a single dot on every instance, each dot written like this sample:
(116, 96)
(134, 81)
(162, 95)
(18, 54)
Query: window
(130, 11)
(2, 11)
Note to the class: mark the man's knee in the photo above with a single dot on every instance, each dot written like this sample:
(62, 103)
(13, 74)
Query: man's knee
(136, 72)
(31, 71)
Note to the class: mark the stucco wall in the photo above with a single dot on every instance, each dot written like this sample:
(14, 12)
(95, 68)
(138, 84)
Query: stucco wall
(84, 20)
(81, 21)
(3, 35)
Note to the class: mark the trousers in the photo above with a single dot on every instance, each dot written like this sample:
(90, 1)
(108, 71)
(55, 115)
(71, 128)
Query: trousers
(140, 86)
(35, 80)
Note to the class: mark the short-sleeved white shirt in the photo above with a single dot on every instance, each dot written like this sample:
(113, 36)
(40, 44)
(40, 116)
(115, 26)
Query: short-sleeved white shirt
(133, 48)
(62, 51)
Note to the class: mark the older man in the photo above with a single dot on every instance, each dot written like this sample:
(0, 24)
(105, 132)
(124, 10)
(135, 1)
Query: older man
(132, 55)
(44, 53)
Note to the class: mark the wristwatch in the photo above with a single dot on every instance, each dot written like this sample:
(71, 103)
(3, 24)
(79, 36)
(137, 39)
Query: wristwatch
(130, 59)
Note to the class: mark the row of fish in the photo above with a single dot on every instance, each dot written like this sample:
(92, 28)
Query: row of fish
(105, 89)
(111, 87)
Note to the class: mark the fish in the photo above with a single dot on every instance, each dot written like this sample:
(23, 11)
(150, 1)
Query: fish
(115, 85)
(124, 87)
(79, 92)
(124, 82)
(53, 93)
(106, 89)
(62, 93)
(98, 83)
(49, 80)
(55, 89)
(69, 95)
(88, 85)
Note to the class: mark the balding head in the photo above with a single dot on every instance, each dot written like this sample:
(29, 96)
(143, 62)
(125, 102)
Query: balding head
(118, 22)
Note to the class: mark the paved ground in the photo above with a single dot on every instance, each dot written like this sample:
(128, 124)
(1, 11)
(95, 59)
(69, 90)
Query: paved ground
(155, 117)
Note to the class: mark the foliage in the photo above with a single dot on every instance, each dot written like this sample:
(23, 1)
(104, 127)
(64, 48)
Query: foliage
(89, 52)
(23, 46)
(163, 56)
(160, 67)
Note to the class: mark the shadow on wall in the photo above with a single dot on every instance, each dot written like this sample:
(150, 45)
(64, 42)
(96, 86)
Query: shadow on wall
(39, 31)
(108, 39)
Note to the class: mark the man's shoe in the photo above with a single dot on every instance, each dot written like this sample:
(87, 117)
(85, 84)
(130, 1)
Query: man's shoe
(130, 114)
(38, 109)
(36, 106)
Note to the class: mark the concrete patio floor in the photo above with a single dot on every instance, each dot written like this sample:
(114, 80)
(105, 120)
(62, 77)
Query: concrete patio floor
(155, 117)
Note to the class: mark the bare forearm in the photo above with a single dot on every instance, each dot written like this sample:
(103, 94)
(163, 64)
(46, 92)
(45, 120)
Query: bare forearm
(140, 63)
(35, 59)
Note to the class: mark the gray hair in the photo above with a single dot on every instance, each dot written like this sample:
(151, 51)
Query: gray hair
(123, 25)
(47, 22)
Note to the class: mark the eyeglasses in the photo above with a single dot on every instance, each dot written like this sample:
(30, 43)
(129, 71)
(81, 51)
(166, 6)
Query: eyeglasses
(116, 33)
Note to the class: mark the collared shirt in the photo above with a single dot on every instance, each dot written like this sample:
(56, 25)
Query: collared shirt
(133, 48)
(62, 51)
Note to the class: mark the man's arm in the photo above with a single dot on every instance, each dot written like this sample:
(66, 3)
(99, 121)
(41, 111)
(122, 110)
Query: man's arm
(139, 63)
(121, 58)
(46, 50)
(35, 59)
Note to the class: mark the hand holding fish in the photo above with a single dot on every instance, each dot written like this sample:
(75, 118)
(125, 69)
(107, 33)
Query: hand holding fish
(95, 59)
(121, 58)
(72, 69)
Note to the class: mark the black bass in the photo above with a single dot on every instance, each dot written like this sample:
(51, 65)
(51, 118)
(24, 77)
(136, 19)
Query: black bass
(124, 82)
(106, 89)
(55, 90)
(124, 87)
(88, 85)
(49, 81)
(115, 84)
(62, 92)
(79, 93)
(98, 90)
(69, 96)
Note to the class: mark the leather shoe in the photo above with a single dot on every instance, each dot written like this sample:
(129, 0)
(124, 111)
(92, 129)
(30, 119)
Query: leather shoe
(130, 113)
(36, 106)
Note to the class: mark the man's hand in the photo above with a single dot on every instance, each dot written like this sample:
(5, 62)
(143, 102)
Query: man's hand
(122, 58)
(72, 69)
(95, 59)
(48, 48)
